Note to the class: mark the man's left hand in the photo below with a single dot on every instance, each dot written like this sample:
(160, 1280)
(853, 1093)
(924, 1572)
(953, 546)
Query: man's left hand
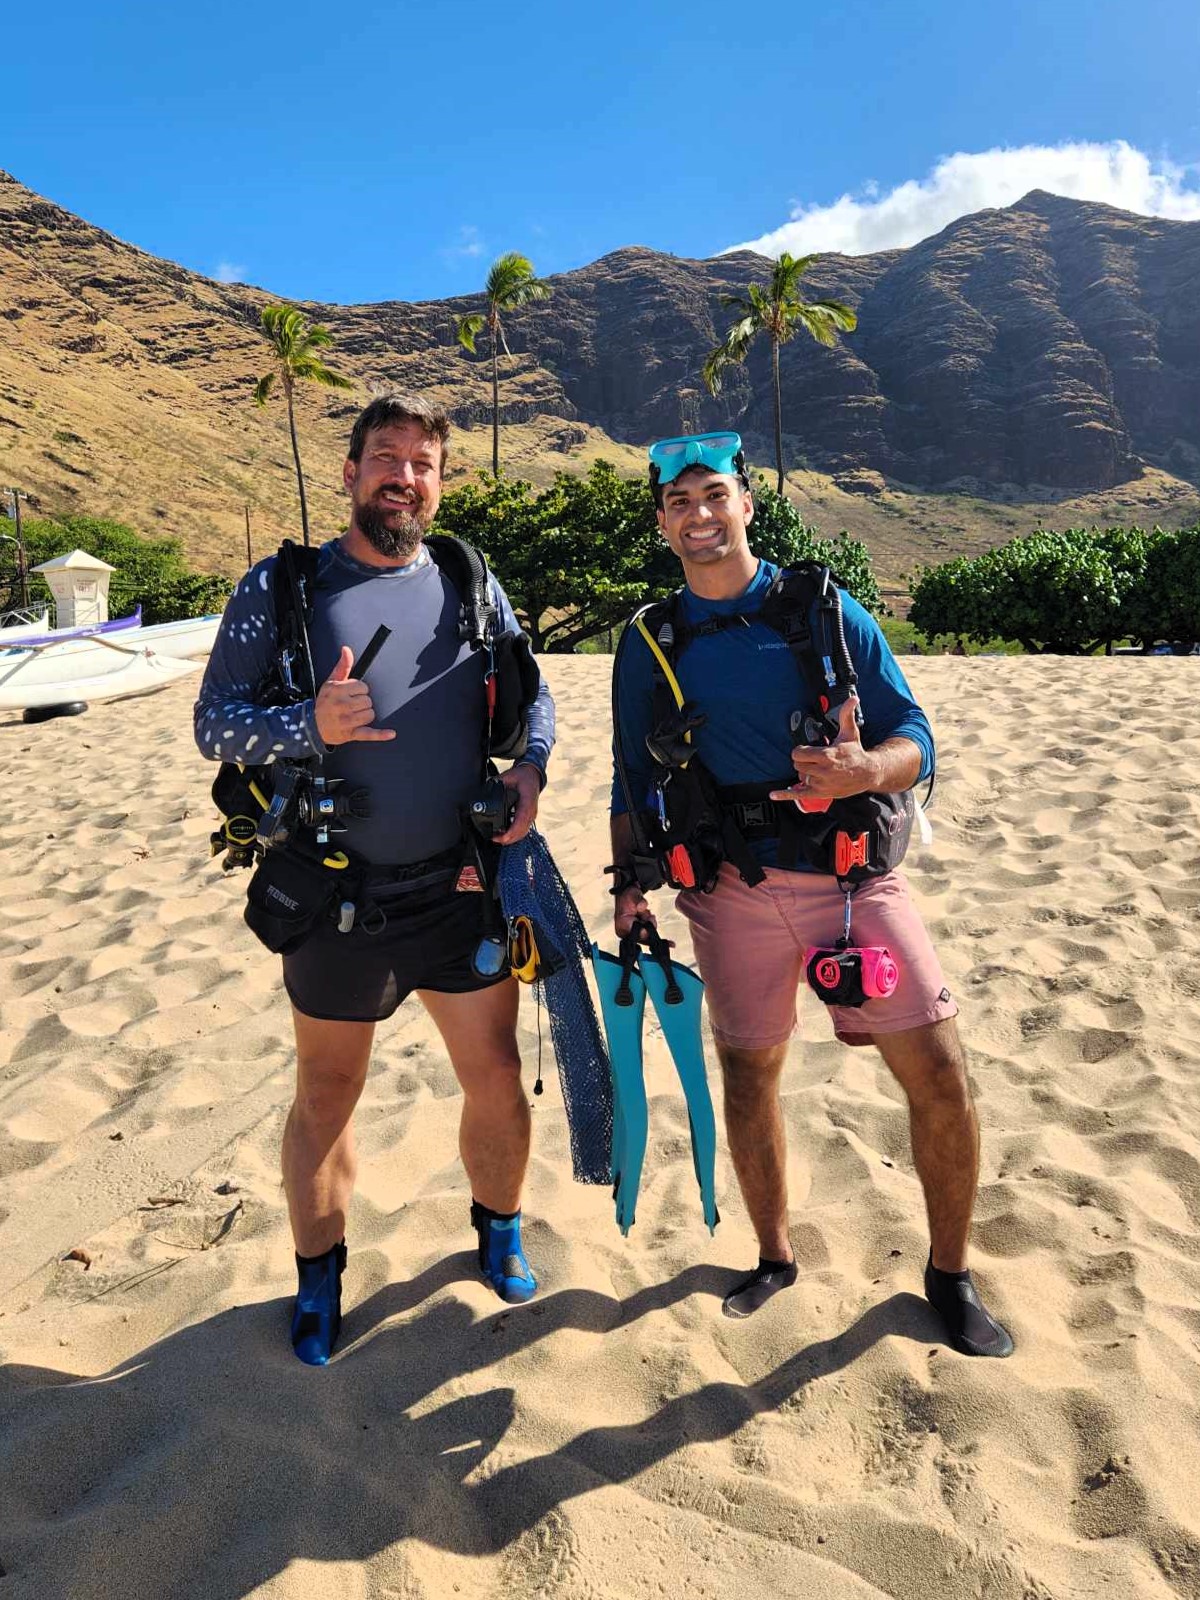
(526, 781)
(835, 771)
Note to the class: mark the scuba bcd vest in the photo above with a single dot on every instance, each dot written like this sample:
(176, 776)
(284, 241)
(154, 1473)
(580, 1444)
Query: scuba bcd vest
(692, 824)
(290, 802)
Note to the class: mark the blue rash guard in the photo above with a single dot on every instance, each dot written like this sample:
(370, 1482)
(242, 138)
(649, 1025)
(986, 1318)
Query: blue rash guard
(426, 683)
(747, 684)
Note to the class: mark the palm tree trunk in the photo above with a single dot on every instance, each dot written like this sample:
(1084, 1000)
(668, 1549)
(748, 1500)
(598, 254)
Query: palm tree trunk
(778, 417)
(495, 410)
(299, 469)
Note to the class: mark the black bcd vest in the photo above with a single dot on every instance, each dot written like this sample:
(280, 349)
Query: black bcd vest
(242, 793)
(697, 823)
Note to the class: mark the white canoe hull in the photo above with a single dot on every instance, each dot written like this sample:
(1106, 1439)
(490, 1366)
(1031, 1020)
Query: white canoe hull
(24, 630)
(138, 673)
(63, 662)
(195, 636)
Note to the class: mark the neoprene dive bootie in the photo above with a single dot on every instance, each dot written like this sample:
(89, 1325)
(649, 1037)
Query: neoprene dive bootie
(501, 1256)
(746, 1297)
(317, 1314)
(973, 1330)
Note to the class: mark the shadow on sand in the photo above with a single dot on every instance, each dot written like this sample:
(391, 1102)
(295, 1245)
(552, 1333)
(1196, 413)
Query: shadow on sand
(210, 1461)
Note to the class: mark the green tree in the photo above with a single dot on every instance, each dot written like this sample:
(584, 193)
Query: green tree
(294, 344)
(577, 557)
(574, 558)
(778, 311)
(151, 573)
(511, 283)
(780, 533)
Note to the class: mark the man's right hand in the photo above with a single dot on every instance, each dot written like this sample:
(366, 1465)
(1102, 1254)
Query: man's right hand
(343, 711)
(631, 904)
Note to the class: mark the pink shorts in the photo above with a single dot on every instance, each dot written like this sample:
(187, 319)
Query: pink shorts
(750, 945)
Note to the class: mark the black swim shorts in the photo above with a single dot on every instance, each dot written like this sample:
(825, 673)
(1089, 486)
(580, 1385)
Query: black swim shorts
(362, 977)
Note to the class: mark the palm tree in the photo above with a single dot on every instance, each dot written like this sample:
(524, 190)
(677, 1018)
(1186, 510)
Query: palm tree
(778, 311)
(294, 342)
(510, 283)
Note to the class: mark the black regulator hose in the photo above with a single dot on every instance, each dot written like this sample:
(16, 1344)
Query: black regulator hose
(829, 603)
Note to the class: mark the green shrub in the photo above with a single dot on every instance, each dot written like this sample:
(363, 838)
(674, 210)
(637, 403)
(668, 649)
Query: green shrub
(1166, 604)
(1064, 593)
(574, 559)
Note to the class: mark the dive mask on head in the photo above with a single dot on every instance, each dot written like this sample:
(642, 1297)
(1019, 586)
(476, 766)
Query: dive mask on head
(720, 452)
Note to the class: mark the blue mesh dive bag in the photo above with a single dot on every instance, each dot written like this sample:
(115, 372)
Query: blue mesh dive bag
(531, 886)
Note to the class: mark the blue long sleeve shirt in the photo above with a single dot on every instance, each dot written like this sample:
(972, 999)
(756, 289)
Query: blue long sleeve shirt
(745, 681)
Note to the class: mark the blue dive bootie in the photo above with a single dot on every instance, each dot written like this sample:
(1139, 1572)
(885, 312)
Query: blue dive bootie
(317, 1315)
(501, 1258)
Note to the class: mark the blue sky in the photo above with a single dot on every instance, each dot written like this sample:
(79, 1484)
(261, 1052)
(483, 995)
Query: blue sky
(370, 151)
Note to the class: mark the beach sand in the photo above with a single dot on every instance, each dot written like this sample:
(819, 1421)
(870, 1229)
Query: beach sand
(616, 1437)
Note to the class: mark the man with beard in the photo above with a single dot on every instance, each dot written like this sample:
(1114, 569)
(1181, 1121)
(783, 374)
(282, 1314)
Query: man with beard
(412, 739)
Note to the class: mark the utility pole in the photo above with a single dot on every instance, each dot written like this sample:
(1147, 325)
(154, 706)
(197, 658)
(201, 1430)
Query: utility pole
(22, 578)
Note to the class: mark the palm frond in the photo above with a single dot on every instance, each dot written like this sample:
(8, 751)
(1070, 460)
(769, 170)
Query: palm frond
(824, 320)
(528, 293)
(842, 316)
(730, 352)
(468, 330)
(316, 338)
(787, 273)
(505, 273)
(512, 282)
(262, 389)
(713, 370)
(314, 371)
(284, 326)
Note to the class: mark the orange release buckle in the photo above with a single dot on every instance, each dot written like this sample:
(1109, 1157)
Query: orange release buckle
(849, 853)
(680, 864)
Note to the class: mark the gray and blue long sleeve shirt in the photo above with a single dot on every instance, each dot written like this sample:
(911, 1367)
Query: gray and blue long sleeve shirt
(426, 683)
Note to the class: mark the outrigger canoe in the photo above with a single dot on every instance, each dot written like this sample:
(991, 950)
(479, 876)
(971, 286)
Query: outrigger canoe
(194, 636)
(134, 672)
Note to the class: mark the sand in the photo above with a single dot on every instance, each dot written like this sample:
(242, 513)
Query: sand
(618, 1436)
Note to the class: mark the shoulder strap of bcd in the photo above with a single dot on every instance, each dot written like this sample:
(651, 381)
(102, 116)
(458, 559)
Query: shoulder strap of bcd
(293, 592)
(467, 571)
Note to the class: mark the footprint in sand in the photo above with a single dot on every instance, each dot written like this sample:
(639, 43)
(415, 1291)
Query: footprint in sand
(102, 1019)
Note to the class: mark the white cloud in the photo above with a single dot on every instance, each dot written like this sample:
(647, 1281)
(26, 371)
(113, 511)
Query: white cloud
(467, 247)
(231, 272)
(1115, 173)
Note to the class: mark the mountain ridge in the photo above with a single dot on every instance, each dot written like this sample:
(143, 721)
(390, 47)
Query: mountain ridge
(1042, 351)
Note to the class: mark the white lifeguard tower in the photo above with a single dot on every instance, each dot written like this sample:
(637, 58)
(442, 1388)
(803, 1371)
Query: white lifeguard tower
(79, 584)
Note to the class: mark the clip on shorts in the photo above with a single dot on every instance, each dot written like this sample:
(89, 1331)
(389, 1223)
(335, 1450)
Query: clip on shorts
(750, 944)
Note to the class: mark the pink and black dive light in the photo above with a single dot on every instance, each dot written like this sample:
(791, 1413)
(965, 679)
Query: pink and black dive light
(850, 975)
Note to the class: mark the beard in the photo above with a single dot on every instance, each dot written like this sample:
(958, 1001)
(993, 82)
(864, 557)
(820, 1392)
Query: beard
(395, 534)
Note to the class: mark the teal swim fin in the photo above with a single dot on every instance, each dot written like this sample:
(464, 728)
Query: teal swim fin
(676, 992)
(622, 1004)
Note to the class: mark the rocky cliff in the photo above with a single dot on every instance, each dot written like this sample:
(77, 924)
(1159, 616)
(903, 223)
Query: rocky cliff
(1052, 346)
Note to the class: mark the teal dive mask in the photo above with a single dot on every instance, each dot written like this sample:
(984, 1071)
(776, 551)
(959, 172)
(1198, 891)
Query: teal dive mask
(720, 452)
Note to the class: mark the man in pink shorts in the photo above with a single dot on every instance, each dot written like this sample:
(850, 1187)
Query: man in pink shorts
(766, 749)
